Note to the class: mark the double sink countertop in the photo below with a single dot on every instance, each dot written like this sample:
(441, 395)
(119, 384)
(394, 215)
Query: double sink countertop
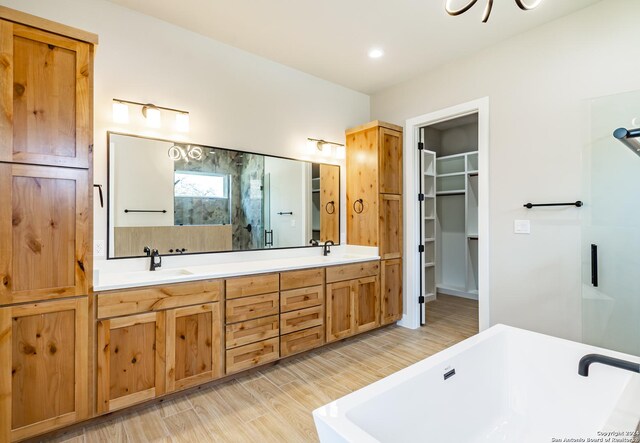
(129, 273)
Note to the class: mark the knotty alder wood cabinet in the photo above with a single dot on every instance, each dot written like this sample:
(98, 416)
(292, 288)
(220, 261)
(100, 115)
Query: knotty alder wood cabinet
(374, 203)
(46, 115)
(164, 338)
(352, 300)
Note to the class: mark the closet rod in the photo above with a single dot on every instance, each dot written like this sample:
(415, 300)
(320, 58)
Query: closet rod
(531, 205)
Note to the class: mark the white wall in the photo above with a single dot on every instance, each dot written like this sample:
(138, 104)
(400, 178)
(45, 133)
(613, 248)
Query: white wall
(236, 100)
(537, 84)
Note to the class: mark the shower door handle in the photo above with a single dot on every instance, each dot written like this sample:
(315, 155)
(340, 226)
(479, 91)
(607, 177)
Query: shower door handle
(594, 265)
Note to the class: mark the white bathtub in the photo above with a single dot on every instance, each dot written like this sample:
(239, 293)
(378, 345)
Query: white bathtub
(510, 385)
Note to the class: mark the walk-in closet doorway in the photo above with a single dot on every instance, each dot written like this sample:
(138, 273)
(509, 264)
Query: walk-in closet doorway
(447, 216)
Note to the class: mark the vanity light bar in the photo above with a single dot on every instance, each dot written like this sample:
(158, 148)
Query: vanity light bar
(324, 142)
(150, 112)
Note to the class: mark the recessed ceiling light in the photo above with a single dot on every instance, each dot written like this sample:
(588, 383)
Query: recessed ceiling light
(376, 53)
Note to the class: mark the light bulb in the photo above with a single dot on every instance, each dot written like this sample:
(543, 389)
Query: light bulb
(153, 117)
(326, 149)
(341, 152)
(376, 53)
(182, 122)
(120, 112)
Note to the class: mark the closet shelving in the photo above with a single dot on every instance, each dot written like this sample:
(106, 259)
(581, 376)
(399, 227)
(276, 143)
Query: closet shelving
(429, 224)
(455, 245)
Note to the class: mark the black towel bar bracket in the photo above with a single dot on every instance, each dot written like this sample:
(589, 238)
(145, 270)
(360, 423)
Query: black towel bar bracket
(285, 213)
(577, 204)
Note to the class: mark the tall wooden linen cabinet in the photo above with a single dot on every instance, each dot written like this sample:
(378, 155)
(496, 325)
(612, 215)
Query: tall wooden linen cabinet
(46, 125)
(374, 204)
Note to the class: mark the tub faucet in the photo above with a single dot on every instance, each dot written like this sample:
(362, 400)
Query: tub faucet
(156, 260)
(326, 249)
(589, 359)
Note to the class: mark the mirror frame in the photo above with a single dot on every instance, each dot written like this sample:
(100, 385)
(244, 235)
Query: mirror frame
(108, 199)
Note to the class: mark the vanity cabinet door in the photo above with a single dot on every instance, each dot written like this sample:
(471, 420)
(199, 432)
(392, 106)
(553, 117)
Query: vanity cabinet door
(45, 97)
(194, 345)
(390, 160)
(43, 367)
(366, 304)
(390, 226)
(391, 291)
(44, 233)
(340, 311)
(131, 356)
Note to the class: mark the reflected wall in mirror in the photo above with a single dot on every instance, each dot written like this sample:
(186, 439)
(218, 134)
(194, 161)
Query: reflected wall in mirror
(183, 198)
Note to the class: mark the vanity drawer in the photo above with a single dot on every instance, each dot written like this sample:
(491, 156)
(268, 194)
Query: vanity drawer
(301, 341)
(353, 271)
(302, 278)
(245, 357)
(301, 298)
(251, 331)
(252, 285)
(302, 319)
(158, 298)
(248, 308)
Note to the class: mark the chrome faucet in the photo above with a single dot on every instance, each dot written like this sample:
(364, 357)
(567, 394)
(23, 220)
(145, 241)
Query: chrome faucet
(156, 260)
(589, 359)
(326, 249)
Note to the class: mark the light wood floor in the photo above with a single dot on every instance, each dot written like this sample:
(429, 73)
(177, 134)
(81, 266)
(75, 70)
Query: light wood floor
(275, 404)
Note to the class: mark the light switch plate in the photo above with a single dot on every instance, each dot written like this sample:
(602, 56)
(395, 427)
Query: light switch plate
(522, 226)
(98, 248)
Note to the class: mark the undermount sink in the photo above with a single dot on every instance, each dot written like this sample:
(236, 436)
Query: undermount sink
(173, 272)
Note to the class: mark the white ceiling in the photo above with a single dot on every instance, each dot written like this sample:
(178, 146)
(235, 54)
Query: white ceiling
(330, 38)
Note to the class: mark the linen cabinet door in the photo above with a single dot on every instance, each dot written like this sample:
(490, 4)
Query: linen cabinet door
(45, 97)
(340, 311)
(390, 226)
(44, 233)
(131, 356)
(390, 159)
(194, 346)
(391, 291)
(43, 367)
(367, 303)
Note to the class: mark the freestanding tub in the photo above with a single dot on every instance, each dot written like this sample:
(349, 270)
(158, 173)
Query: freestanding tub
(509, 385)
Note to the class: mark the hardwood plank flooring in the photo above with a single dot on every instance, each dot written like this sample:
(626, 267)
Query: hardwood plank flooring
(275, 403)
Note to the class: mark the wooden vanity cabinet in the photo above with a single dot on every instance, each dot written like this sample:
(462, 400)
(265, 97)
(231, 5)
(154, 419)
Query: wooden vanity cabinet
(46, 118)
(252, 321)
(43, 367)
(155, 340)
(353, 299)
(374, 200)
(390, 287)
(46, 96)
(302, 315)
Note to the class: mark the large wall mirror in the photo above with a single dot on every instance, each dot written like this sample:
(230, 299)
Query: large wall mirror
(183, 198)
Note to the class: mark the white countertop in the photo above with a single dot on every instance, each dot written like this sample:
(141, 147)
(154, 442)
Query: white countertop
(118, 276)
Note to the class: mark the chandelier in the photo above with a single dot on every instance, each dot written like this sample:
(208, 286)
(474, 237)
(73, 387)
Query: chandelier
(522, 4)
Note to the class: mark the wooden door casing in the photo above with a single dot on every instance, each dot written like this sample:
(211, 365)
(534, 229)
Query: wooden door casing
(194, 345)
(46, 97)
(43, 367)
(131, 360)
(44, 233)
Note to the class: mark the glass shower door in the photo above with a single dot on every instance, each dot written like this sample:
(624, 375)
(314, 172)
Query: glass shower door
(611, 228)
